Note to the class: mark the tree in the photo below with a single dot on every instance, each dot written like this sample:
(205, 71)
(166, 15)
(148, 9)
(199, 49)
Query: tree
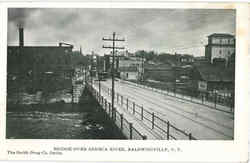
(147, 55)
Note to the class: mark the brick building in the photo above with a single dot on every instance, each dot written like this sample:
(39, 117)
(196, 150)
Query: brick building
(35, 63)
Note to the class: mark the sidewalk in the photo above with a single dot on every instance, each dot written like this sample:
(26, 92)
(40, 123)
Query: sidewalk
(183, 97)
(137, 124)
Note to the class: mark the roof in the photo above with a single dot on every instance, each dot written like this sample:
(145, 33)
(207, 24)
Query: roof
(185, 56)
(221, 35)
(128, 69)
(40, 47)
(157, 66)
(214, 73)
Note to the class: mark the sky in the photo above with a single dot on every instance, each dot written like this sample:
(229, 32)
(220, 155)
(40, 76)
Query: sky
(160, 30)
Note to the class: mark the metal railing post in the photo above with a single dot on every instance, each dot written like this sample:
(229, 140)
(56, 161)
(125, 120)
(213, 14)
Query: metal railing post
(191, 95)
(114, 114)
(190, 136)
(121, 122)
(98, 97)
(168, 130)
(127, 103)
(105, 107)
(231, 101)
(215, 100)
(133, 107)
(142, 113)
(130, 131)
(153, 120)
(109, 109)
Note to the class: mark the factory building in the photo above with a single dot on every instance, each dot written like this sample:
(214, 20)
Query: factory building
(220, 48)
(217, 72)
(35, 62)
(127, 66)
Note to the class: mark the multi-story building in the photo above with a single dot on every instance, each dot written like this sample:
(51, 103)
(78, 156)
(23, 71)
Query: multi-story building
(43, 58)
(220, 47)
(36, 63)
(133, 67)
(184, 59)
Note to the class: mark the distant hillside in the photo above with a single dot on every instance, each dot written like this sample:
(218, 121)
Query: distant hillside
(164, 58)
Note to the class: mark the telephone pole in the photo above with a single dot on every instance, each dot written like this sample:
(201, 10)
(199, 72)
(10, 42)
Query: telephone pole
(98, 75)
(113, 47)
(142, 67)
(91, 69)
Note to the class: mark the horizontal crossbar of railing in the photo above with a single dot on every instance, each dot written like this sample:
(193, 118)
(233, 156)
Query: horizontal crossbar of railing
(118, 116)
(135, 108)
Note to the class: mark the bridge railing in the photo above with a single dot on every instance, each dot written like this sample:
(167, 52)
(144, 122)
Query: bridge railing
(121, 122)
(205, 98)
(165, 129)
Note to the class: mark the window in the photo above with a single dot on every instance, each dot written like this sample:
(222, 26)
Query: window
(219, 51)
(232, 41)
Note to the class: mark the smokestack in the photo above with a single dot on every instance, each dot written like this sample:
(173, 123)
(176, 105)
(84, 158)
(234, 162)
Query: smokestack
(21, 41)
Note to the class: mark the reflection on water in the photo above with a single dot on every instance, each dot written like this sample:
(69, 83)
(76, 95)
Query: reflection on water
(40, 97)
(58, 120)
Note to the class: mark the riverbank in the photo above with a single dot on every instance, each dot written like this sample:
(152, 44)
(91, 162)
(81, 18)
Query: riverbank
(31, 119)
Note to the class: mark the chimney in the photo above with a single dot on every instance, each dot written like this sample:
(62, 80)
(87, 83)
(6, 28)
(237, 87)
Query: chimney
(21, 41)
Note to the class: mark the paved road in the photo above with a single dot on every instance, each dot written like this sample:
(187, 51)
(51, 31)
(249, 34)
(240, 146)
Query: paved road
(138, 125)
(203, 122)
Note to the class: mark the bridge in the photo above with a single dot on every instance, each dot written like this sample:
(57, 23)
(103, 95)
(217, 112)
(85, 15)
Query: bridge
(142, 112)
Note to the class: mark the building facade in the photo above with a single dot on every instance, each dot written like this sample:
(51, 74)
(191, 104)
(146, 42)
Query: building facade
(129, 73)
(220, 47)
(134, 64)
(35, 65)
(184, 59)
(127, 67)
(213, 78)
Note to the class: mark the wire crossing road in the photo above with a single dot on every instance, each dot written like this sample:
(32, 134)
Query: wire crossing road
(204, 123)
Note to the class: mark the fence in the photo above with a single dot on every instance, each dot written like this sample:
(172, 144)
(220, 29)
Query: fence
(121, 122)
(204, 98)
(165, 129)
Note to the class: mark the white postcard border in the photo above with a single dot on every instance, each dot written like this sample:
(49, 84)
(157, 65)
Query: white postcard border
(209, 151)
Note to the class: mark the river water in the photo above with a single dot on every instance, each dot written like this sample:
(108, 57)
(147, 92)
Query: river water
(31, 118)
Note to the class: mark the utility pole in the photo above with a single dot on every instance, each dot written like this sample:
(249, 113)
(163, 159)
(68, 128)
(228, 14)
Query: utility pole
(91, 70)
(85, 75)
(99, 72)
(72, 88)
(175, 73)
(142, 67)
(113, 47)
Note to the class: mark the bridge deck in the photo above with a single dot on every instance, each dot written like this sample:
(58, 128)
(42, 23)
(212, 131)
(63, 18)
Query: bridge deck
(203, 122)
(138, 125)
